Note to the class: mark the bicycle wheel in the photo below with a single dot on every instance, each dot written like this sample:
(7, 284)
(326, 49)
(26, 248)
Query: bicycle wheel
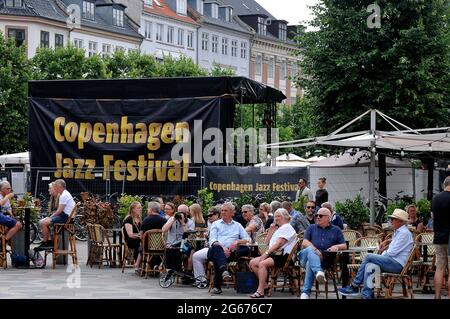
(80, 232)
(33, 232)
(166, 280)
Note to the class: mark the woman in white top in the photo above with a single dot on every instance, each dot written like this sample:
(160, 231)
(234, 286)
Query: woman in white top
(281, 236)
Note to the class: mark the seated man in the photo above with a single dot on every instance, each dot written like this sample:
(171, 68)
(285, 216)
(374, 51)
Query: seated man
(66, 204)
(10, 223)
(391, 260)
(224, 237)
(298, 220)
(320, 237)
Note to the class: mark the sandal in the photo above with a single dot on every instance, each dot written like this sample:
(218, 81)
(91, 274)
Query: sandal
(257, 294)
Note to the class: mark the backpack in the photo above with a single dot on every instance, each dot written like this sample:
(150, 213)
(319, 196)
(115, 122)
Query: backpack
(37, 258)
(18, 260)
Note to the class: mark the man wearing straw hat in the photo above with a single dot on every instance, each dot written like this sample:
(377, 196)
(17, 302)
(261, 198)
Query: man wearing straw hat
(392, 260)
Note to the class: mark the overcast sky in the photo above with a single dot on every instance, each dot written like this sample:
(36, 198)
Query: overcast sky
(292, 11)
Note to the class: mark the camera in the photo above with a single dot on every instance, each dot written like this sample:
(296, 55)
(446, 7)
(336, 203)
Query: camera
(178, 216)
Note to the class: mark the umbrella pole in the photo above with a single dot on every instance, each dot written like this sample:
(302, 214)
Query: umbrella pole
(372, 167)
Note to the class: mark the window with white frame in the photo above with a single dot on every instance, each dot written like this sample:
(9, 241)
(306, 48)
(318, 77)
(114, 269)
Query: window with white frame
(45, 39)
(215, 44)
(148, 2)
(106, 50)
(234, 48)
(205, 41)
(258, 65)
(170, 31)
(271, 67)
(181, 7)
(119, 48)
(282, 32)
(190, 40)
(118, 17)
(88, 10)
(180, 38)
(78, 43)
(14, 3)
(159, 32)
(283, 70)
(92, 49)
(262, 27)
(225, 46)
(148, 29)
(59, 40)
(243, 50)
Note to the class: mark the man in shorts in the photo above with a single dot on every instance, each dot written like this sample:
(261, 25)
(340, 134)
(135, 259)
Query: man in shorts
(12, 225)
(441, 220)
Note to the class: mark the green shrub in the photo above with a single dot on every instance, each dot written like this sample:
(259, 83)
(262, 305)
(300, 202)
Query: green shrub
(354, 212)
(124, 204)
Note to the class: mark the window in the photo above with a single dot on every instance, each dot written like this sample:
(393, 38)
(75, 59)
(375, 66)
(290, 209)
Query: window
(258, 65)
(243, 50)
(118, 18)
(45, 39)
(215, 44)
(59, 40)
(294, 69)
(159, 32)
(130, 51)
(18, 35)
(205, 40)
(106, 50)
(78, 43)
(271, 67)
(262, 27)
(88, 10)
(92, 49)
(181, 7)
(170, 34)
(282, 32)
(148, 3)
(119, 48)
(148, 30)
(13, 3)
(190, 39)
(234, 45)
(283, 70)
(180, 38)
(214, 10)
(224, 46)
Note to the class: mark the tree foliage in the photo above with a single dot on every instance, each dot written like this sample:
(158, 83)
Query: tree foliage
(400, 68)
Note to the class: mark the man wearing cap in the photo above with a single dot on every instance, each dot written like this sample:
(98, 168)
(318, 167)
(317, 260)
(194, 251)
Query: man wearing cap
(392, 260)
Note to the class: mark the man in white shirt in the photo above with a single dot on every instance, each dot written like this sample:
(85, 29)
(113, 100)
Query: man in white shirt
(391, 260)
(65, 207)
(303, 190)
(10, 223)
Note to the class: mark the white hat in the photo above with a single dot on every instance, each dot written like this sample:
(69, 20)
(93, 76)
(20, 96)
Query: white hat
(399, 214)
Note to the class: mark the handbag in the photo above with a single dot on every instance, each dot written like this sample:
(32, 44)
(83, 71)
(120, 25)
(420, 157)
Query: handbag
(246, 282)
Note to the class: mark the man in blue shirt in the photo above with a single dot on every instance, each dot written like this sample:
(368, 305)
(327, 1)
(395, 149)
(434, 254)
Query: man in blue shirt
(319, 238)
(224, 238)
(391, 260)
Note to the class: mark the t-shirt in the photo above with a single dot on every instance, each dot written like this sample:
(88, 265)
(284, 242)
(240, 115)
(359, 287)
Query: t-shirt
(321, 197)
(152, 222)
(66, 199)
(287, 232)
(324, 238)
(441, 218)
(6, 207)
(131, 242)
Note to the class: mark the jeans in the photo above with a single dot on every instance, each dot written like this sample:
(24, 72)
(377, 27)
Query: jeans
(311, 262)
(386, 264)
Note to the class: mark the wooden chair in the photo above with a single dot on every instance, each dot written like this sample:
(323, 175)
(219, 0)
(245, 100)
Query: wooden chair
(128, 254)
(422, 265)
(369, 230)
(101, 247)
(289, 271)
(330, 272)
(369, 241)
(153, 246)
(58, 234)
(3, 252)
(351, 236)
(388, 280)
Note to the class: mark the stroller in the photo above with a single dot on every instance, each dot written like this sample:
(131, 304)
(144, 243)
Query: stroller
(173, 259)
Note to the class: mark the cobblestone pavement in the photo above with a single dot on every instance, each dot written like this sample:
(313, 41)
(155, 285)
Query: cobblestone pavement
(106, 283)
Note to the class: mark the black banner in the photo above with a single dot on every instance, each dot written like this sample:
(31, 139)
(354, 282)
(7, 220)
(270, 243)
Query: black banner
(234, 181)
(127, 142)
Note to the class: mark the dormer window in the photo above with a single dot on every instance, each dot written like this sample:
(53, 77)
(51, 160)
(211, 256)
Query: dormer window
(226, 13)
(181, 7)
(282, 32)
(14, 3)
(118, 17)
(88, 10)
(262, 27)
(214, 10)
(148, 3)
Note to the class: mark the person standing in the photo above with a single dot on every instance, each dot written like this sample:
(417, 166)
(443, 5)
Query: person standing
(441, 226)
(321, 193)
(303, 190)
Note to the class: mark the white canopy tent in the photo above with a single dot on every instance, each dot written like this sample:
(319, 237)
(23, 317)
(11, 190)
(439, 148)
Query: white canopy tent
(16, 158)
(407, 139)
(287, 160)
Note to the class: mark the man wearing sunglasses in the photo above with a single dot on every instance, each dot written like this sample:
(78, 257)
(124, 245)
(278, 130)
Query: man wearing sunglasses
(320, 238)
(303, 190)
(392, 260)
(310, 207)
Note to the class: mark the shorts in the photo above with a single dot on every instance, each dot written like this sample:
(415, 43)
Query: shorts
(60, 219)
(279, 260)
(442, 256)
(7, 221)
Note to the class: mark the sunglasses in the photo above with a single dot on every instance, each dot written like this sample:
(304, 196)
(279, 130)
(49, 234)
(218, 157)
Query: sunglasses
(320, 215)
(210, 215)
(308, 207)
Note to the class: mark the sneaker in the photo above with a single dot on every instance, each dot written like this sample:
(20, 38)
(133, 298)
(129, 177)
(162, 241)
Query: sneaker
(349, 291)
(304, 296)
(226, 275)
(367, 296)
(320, 276)
(216, 291)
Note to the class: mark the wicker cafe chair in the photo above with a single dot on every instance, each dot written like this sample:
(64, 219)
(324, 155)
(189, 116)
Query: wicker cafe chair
(424, 267)
(153, 246)
(369, 230)
(388, 280)
(101, 247)
(351, 236)
(3, 252)
(58, 230)
(357, 258)
(290, 273)
(262, 247)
